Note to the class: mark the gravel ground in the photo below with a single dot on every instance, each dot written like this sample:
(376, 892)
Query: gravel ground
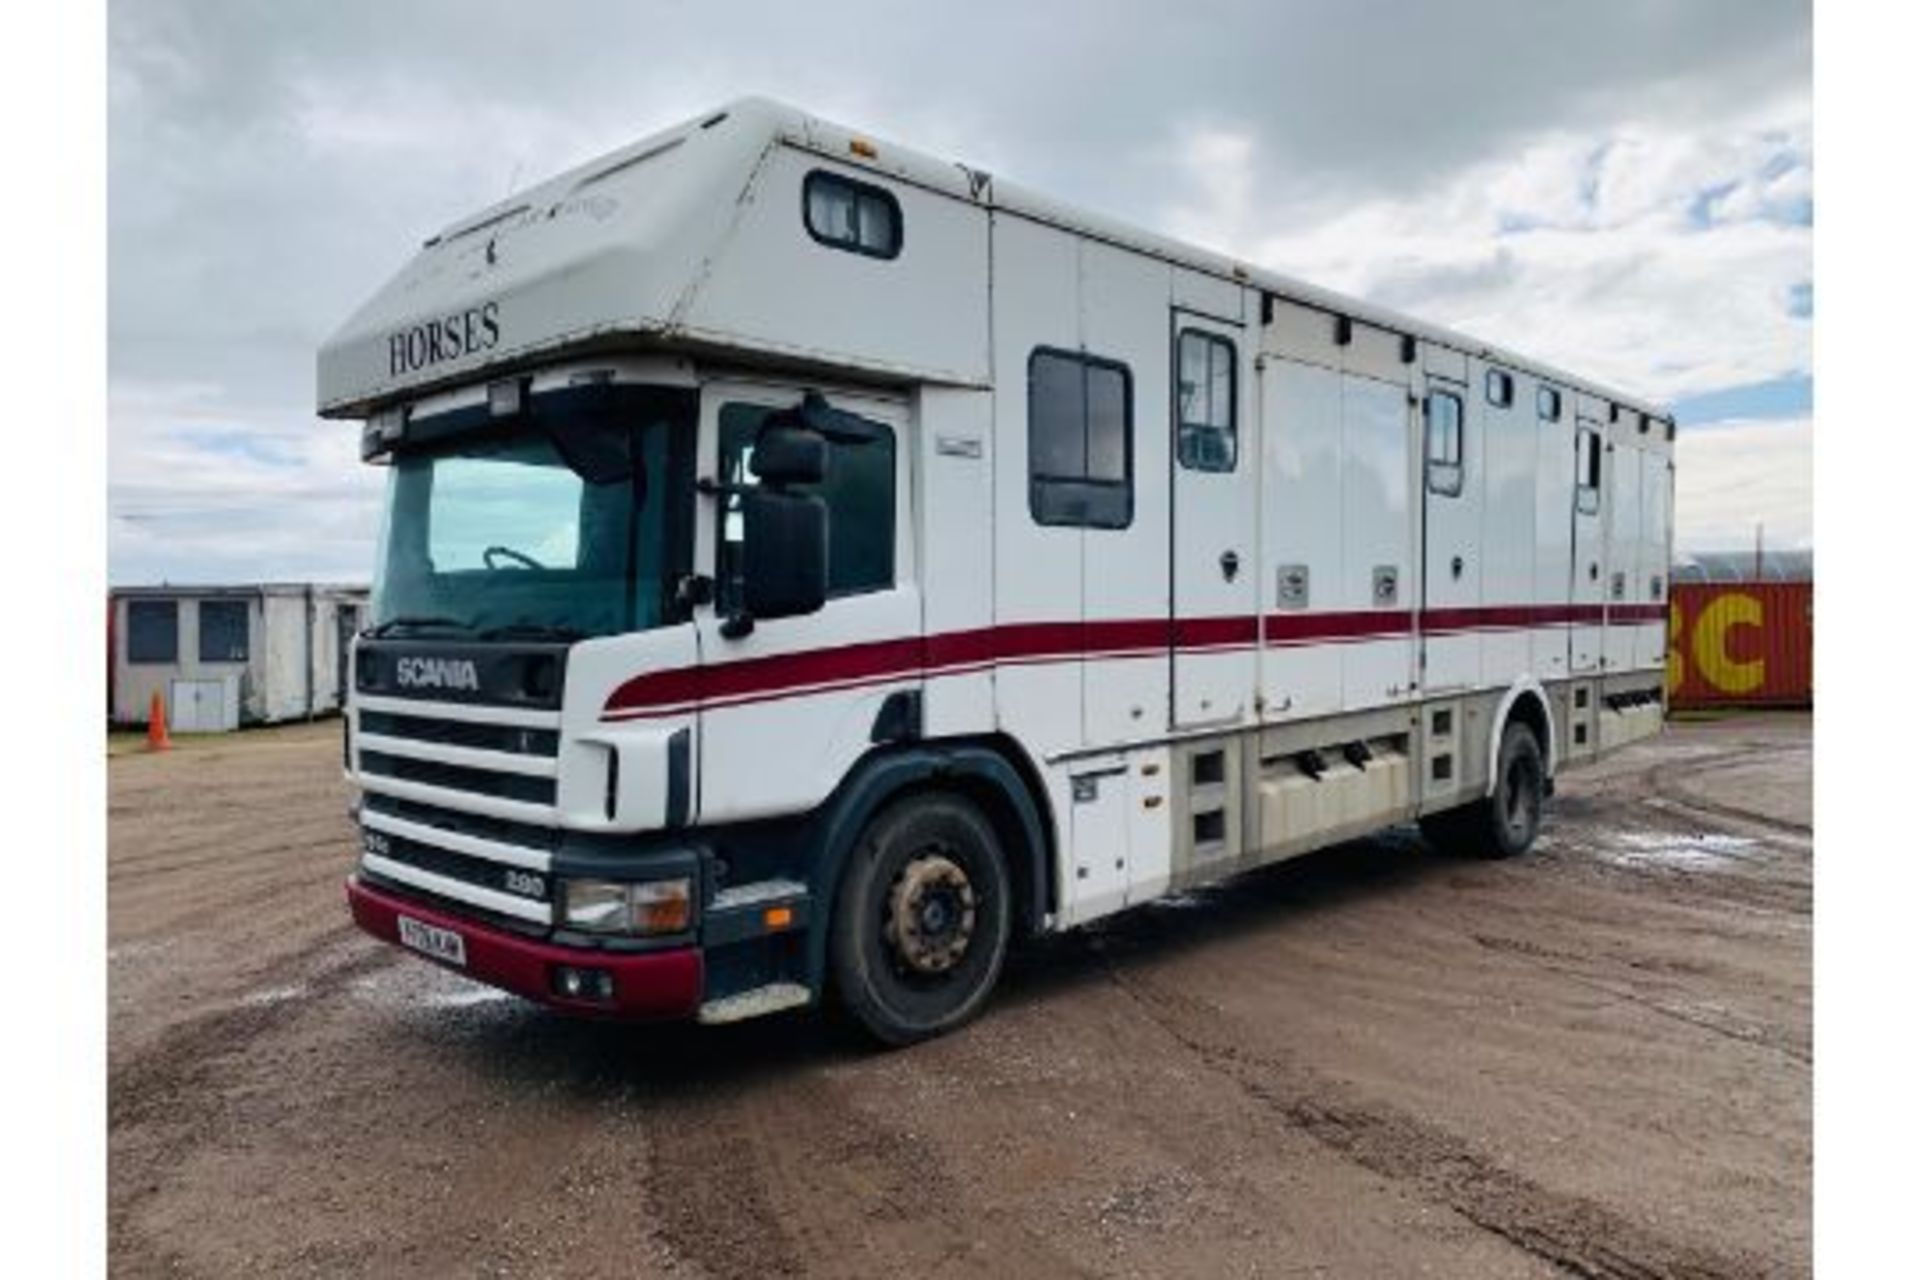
(1594, 1061)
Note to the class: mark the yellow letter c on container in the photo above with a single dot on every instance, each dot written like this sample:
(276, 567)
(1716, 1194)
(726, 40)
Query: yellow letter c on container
(1710, 655)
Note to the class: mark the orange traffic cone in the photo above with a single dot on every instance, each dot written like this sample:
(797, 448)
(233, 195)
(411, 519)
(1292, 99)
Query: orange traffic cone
(157, 739)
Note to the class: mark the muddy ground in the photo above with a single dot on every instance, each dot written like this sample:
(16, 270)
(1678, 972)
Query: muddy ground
(1376, 1061)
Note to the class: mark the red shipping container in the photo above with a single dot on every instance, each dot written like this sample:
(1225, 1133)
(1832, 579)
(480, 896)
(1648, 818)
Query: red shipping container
(1740, 644)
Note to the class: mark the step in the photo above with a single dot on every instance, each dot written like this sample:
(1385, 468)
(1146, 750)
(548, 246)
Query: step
(756, 1003)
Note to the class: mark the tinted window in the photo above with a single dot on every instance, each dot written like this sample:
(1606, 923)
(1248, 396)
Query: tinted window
(1079, 440)
(1549, 403)
(1445, 445)
(858, 490)
(1207, 392)
(852, 215)
(1586, 480)
(223, 630)
(153, 630)
(1499, 388)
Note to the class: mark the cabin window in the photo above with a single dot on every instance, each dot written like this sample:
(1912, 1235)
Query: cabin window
(153, 631)
(856, 216)
(1586, 482)
(1499, 388)
(1079, 440)
(1208, 439)
(1446, 446)
(223, 630)
(1548, 401)
(858, 491)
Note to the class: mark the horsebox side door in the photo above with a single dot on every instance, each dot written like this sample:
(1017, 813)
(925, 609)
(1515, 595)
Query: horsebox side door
(1215, 625)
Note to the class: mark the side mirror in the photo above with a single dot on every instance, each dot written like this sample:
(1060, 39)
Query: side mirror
(789, 454)
(783, 557)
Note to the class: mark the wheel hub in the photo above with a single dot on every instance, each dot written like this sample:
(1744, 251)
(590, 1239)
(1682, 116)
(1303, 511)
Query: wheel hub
(930, 914)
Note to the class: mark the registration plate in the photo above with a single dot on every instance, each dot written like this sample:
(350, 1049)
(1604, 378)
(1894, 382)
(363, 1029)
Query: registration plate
(442, 944)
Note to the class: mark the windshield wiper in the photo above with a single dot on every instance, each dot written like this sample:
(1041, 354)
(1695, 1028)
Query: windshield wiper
(392, 625)
(532, 631)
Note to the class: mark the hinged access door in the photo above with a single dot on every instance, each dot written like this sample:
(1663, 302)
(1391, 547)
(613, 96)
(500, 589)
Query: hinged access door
(1589, 591)
(1451, 483)
(1215, 624)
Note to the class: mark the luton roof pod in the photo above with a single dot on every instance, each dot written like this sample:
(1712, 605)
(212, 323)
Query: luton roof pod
(626, 251)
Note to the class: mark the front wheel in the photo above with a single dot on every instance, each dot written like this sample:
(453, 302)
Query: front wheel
(1503, 824)
(921, 922)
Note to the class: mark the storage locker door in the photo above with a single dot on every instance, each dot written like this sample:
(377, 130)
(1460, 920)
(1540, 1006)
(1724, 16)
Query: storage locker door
(1623, 555)
(1650, 645)
(1215, 575)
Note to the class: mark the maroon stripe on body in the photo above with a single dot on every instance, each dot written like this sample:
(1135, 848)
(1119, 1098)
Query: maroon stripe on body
(1357, 624)
(876, 662)
(1207, 633)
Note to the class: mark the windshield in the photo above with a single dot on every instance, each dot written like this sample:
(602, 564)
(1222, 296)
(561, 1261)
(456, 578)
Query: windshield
(502, 533)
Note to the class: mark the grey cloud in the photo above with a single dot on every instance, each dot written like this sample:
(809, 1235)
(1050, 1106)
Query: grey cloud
(271, 163)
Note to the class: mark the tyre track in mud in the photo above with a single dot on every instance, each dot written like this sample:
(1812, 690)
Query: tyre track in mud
(790, 1177)
(164, 1101)
(1663, 780)
(1574, 1234)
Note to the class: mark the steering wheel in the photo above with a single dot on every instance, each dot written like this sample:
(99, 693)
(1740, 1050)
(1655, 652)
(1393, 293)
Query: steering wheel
(520, 558)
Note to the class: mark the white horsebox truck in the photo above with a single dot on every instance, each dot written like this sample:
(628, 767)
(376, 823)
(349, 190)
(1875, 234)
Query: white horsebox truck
(809, 566)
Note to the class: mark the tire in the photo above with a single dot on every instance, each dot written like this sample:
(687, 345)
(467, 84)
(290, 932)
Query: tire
(921, 920)
(1503, 824)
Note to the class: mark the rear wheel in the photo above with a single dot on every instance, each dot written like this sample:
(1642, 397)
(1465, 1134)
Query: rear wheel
(921, 921)
(1503, 824)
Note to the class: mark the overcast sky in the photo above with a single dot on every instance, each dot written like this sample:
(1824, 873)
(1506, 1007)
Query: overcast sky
(1622, 188)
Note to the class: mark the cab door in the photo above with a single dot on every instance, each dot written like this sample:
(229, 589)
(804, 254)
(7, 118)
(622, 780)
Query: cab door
(788, 704)
(1213, 596)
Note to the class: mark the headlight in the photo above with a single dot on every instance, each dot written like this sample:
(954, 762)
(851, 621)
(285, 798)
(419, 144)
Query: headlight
(612, 906)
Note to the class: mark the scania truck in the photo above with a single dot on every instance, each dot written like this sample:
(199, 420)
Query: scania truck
(809, 567)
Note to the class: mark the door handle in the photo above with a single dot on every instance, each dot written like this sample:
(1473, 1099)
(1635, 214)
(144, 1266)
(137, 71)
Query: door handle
(1459, 566)
(1229, 565)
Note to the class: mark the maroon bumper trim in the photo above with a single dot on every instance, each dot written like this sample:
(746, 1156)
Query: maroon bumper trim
(652, 984)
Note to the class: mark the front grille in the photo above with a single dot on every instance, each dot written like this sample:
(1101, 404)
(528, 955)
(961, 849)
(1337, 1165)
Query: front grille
(507, 738)
(456, 907)
(458, 822)
(481, 872)
(455, 777)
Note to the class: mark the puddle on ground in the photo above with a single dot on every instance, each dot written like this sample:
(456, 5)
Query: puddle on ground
(422, 986)
(1705, 851)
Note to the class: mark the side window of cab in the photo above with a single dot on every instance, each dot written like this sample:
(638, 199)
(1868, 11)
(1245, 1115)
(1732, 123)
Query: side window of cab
(859, 491)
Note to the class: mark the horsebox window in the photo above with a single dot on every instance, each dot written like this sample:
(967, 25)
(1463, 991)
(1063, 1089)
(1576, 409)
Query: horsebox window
(1446, 448)
(1499, 388)
(153, 631)
(1079, 440)
(1586, 481)
(1548, 402)
(856, 216)
(1208, 439)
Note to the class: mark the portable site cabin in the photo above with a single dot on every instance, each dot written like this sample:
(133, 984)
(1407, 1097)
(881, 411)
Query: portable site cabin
(224, 656)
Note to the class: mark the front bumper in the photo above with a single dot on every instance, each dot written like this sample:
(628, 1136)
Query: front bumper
(653, 984)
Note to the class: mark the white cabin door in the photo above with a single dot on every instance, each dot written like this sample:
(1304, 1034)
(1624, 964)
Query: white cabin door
(1450, 607)
(1589, 547)
(1215, 625)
